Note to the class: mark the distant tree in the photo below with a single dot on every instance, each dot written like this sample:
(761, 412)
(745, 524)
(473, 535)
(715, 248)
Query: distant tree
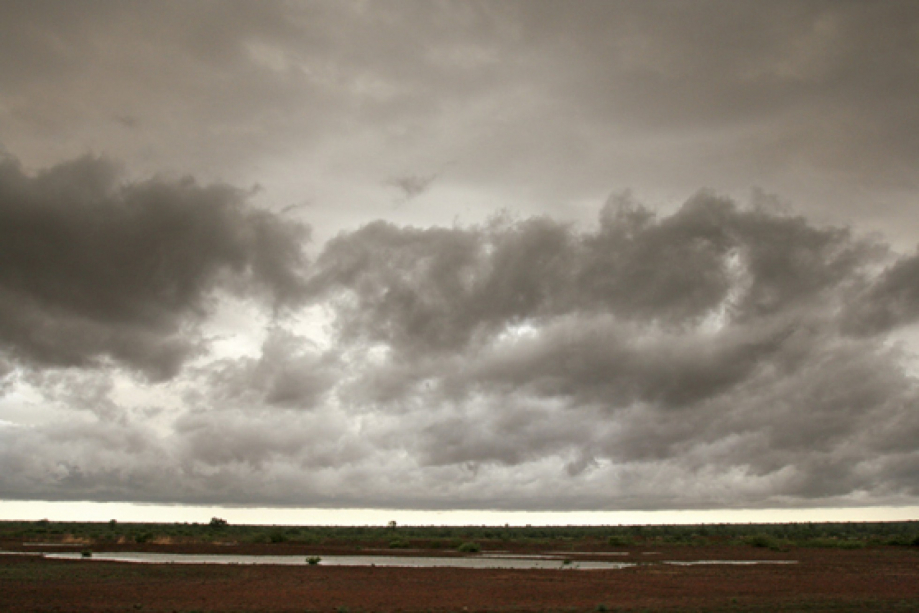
(392, 525)
(216, 522)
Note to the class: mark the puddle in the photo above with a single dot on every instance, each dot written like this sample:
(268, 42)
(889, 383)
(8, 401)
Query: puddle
(587, 553)
(736, 562)
(488, 560)
(516, 562)
(522, 556)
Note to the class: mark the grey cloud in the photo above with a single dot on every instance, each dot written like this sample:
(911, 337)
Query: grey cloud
(225, 457)
(506, 430)
(94, 268)
(78, 391)
(781, 65)
(412, 186)
(720, 355)
(220, 440)
(713, 337)
(597, 362)
(890, 302)
(288, 373)
(406, 283)
(682, 267)
(528, 364)
(249, 81)
(442, 289)
(79, 460)
(554, 100)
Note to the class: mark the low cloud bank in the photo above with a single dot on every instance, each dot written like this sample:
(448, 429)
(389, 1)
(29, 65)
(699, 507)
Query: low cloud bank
(720, 356)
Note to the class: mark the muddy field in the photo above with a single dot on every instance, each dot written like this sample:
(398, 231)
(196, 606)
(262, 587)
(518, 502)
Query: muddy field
(870, 579)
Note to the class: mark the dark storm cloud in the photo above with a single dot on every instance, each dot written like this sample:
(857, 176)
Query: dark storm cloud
(715, 336)
(705, 358)
(444, 288)
(717, 355)
(93, 268)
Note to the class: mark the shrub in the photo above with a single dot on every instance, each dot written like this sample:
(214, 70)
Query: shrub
(399, 544)
(143, 537)
(469, 547)
(760, 540)
(313, 560)
(86, 553)
(277, 536)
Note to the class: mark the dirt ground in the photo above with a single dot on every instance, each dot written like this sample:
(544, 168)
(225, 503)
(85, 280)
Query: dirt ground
(871, 579)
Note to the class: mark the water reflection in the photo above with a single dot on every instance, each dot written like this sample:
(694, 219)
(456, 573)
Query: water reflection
(738, 562)
(334, 560)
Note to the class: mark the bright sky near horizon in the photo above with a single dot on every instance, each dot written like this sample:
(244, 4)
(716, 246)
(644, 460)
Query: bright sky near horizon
(178, 513)
(464, 261)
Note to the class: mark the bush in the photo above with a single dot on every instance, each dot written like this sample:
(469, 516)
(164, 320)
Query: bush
(86, 553)
(469, 547)
(760, 540)
(277, 536)
(399, 544)
(313, 560)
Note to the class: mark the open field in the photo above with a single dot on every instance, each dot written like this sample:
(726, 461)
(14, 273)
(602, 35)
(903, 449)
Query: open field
(863, 577)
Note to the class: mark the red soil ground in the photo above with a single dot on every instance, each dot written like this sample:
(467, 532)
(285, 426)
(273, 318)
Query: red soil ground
(872, 579)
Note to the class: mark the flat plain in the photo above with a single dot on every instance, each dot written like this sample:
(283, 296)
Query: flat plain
(866, 577)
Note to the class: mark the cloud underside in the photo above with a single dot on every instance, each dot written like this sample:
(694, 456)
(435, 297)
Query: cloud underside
(720, 356)
(95, 269)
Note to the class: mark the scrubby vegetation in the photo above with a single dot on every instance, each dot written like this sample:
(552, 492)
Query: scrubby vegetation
(846, 535)
(399, 543)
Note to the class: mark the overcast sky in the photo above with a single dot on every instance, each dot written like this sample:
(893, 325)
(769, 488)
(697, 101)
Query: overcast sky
(460, 255)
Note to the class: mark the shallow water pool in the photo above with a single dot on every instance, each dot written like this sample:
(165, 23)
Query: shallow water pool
(509, 562)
